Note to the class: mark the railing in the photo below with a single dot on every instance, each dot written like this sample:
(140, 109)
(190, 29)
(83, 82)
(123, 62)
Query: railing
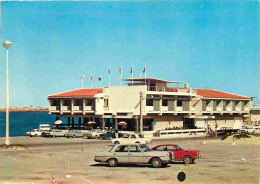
(165, 108)
(219, 109)
(208, 109)
(88, 108)
(66, 108)
(179, 109)
(238, 108)
(77, 108)
(54, 108)
(167, 89)
(228, 109)
(182, 133)
(149, 108)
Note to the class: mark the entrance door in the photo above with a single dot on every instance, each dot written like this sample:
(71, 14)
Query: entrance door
(237, 123)
(188, 123)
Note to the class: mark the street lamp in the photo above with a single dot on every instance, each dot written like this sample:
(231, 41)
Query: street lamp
(7, 44)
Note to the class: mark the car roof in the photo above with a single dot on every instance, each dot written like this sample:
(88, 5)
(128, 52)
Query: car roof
(165, 145)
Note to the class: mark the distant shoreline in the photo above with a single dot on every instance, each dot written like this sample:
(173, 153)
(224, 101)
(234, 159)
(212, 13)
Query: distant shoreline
(25, 111)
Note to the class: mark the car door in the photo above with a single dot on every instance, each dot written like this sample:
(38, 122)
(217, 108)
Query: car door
(175, 150)
(135, 155)
(121, 153)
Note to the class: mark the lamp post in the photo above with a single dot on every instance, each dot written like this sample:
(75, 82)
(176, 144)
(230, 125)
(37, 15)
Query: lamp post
(7, 44)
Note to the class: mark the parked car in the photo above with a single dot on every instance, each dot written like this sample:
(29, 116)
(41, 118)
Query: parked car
(74, 133)
(131, 139)
(54, 133)
(34, 133)
(134, 154)
(108, 135)
(95, 133)
(187, 156)
(249, 129)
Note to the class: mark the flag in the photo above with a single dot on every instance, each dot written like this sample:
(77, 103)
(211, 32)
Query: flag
(120, 70)
(92, 79)
(100, 78)
(82, 76)
(109, 71)
(131, 71)
(144, 70)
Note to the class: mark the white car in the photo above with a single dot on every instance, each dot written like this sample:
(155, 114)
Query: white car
(34, 133)
(247, 129)
(131, 139)
(94, 133)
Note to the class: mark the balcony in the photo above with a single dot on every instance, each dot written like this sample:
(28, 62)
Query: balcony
(54, 108)
(179, 109)
(228, 109)
(66, 108)
(238, 109)
(165, 109)
(219, 109)
(171, 91)
(88, 108)
(77, 108)
(208, 109)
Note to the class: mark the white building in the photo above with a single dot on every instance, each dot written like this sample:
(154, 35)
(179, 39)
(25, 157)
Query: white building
(150, 99)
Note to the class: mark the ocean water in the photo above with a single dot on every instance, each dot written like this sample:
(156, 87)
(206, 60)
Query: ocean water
(21, 122)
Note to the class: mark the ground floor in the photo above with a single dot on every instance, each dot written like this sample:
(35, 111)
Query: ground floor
(55, 158)
(151, 124)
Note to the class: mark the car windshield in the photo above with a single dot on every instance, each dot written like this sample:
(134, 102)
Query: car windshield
(178, 147)
(144, 148)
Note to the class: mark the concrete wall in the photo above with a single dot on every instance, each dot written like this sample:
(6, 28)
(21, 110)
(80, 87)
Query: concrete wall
(170, 122)
(125, 99)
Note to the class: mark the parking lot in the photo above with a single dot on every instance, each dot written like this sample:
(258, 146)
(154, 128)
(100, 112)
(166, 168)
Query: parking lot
(220, 163)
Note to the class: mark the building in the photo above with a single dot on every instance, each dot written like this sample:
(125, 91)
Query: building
(149, 105)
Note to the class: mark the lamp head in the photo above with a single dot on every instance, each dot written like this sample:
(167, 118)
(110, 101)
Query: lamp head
(7, 44)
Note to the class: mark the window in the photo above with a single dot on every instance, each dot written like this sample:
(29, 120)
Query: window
(164, 102)
(159, 148)
(149, 102)
(134, 149)
(122, 149)
(179, 103)
(171, 148)
(105, 102)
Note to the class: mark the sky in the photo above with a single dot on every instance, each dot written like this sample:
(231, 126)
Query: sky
(208, 44)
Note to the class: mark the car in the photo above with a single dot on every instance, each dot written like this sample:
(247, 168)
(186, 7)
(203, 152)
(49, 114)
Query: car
(54, 133)
(134, 154)
(187, 156)
(131, 139)
(95, 133)
(108, 135)
(74, 133)
(34, 133)
(249, 129)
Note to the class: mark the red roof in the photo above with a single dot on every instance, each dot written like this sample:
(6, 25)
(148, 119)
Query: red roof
(78, 93)
(211, 93)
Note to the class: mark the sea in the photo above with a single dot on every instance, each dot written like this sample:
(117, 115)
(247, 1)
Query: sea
(22, 122)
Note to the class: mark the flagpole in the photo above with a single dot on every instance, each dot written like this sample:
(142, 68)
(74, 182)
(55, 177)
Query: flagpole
(109, 77)
(81, 82)
(132, 75)
(145, 74)
(121, 76)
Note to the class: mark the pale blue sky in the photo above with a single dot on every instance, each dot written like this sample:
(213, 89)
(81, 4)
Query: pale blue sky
(208, 44)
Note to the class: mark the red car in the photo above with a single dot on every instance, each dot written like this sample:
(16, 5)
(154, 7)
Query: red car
(187, 156)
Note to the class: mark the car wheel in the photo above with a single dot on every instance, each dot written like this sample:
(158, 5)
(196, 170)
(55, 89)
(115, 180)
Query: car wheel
(137, 142)
(112, 162)
(193, 161)
(73, 136)
(116, 142)
(187, 159)
(35, 135)
(96, 137)
(53, 136)
(156, 163)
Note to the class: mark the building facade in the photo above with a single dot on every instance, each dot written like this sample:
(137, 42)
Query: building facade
(149, 105)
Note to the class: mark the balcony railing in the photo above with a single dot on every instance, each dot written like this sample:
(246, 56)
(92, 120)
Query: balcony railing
(167, 89)
(229, 109)
(54, 108)
(238, 108)
(66, 108)
(179, 109)
(219, 109)
(165, 108)
(208, 109)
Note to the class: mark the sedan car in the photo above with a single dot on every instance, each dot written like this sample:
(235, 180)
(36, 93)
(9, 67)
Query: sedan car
(187, 156)
(131, 139)
(134, 154)
(74, 133)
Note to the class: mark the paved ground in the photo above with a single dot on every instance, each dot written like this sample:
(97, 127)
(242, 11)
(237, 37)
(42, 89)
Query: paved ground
(220, 163)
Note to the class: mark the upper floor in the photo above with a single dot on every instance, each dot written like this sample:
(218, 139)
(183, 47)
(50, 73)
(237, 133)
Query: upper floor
(150, 97)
